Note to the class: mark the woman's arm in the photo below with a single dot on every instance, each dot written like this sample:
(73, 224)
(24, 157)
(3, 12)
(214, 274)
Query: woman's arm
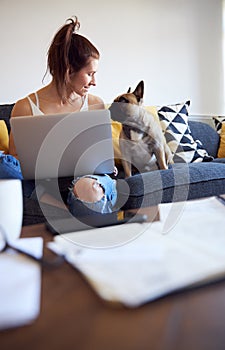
(21, 108)
(95, 102)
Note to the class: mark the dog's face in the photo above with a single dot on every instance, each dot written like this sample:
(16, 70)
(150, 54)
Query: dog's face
(126, 105)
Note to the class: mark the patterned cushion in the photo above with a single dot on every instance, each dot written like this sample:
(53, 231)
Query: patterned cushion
(218, 123)
(174, 123)
(221, 150)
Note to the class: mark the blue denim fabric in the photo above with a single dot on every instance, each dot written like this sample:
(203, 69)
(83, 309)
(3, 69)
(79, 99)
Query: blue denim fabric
(9, 167)
(105, 205)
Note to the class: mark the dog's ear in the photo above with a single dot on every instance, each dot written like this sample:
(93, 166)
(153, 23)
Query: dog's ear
(129, 90)
(139, 91)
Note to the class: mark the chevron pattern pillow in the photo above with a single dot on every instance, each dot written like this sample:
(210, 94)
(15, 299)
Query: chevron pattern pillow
(174, 123)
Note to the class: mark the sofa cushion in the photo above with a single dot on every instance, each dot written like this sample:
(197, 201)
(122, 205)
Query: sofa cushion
(179, 183)
(174, 123)
(207, 135)
(5, 112)
(33, 212)
(4, 137)
(221, 150)
(219, 160)
(218, 123)
(220, 128)
(116, 129)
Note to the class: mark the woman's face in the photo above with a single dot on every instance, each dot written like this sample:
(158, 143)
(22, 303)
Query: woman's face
(85, 78)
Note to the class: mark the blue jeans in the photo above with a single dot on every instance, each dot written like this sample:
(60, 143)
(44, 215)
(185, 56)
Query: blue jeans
(9, 167)
(105, 205)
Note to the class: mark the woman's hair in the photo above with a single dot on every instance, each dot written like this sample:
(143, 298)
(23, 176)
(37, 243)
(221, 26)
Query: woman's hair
(69, 52)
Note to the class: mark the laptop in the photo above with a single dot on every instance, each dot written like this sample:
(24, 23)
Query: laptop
(61, 145)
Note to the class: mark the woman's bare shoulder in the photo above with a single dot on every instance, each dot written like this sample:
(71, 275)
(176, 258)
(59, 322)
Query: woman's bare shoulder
(21, 108)
(95, 102)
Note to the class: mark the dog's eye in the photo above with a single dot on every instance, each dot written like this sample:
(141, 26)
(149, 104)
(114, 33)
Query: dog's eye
(123, 100)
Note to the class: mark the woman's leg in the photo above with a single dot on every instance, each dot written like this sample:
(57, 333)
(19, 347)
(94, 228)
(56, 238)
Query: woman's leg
(92, 193)
(9, 167)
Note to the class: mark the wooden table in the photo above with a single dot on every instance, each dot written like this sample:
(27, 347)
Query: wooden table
(73, 317)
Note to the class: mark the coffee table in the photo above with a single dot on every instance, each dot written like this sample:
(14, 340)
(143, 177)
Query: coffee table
(72, 316)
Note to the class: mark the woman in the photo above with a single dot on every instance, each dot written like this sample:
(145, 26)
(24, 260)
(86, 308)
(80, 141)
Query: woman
(73, 63)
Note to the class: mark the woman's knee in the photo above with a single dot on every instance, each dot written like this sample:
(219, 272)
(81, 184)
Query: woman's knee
(92, 193)
(9, 167)
(88, 189)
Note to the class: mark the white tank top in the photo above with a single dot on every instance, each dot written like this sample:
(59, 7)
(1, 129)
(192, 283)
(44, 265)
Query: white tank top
(36, 109)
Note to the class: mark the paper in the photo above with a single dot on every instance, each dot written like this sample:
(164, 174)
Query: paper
(170, 254)
(20, 285)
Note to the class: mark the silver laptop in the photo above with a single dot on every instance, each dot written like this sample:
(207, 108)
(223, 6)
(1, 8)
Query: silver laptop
(60, 145)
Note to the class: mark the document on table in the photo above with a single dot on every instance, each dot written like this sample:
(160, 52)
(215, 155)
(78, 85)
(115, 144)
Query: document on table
(186, 247)
(20, 286)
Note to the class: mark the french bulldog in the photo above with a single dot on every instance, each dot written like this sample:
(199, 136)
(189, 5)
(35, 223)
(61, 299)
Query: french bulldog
(142, 143)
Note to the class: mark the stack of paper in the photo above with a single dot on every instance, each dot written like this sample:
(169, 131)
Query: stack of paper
(20, 287)
(184, 248)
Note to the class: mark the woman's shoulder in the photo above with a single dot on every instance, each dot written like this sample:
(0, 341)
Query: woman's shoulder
(95, 102)
(21, 108)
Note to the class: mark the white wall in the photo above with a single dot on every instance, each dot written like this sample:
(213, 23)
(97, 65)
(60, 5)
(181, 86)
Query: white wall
(175, 46)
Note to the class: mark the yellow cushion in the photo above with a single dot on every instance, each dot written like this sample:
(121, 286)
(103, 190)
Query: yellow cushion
(152, 110)
(4, 137)
(116, 128)
(221, 151)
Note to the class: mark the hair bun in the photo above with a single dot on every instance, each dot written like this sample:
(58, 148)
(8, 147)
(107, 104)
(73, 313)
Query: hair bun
(75, 23)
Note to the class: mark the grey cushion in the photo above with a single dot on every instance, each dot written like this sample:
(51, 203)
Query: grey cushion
(204, 132)
(179, 183)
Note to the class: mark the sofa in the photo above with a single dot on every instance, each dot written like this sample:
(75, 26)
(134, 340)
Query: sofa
(182, 181)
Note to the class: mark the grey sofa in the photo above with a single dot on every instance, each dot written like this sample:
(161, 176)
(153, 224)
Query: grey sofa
(180, 182)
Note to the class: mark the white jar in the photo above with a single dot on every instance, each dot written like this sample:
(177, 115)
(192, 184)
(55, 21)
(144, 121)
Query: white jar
(11, 208)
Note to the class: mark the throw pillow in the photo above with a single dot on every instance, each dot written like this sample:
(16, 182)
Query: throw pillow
(4, 137)
(152, 110)
(174, 122)
(218, 123)
(221, 150)
(116, 128)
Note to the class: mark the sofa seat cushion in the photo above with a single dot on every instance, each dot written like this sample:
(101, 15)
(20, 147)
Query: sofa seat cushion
(33, 212)
(219, 160)
(179, 183)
